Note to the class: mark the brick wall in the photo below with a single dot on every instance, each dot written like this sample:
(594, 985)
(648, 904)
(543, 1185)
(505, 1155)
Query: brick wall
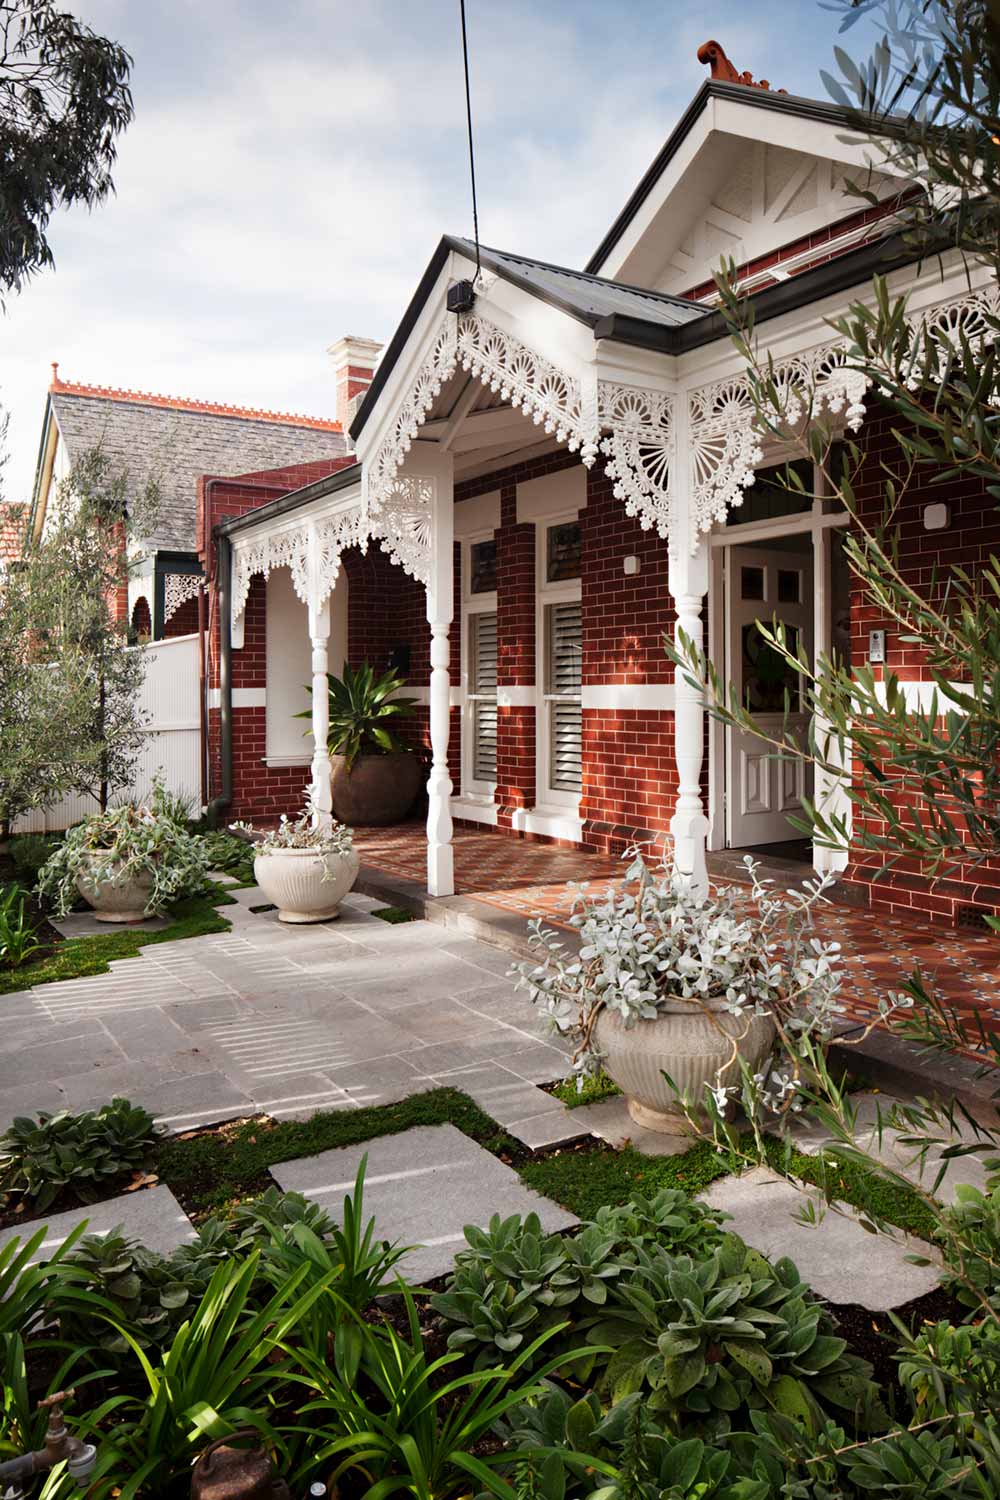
(629, 778)
(183, 621)
(925, 558)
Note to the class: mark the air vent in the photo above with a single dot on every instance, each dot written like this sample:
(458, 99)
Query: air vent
(973, 918)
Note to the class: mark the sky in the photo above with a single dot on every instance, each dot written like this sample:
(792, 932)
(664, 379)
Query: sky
(292, 165)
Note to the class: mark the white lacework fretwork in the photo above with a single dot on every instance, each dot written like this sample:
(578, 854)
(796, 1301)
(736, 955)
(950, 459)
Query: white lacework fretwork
(404, 527)
(291, 549)
(178, 588)
(437, 368)
(726, 438)
(530, 382)
(555, 400)
(639, 447)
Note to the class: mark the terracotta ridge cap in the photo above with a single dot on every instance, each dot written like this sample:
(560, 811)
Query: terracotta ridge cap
(59, 386)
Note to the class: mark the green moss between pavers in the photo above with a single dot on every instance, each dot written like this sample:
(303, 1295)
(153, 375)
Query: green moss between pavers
(209, 1171)
(592, 1091)
(583, 1181)
(393, 914)
(76, 957)
(866, 1190)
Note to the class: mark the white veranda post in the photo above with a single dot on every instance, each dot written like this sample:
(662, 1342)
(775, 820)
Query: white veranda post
(688, 588)
(440, 610)
(319, 638)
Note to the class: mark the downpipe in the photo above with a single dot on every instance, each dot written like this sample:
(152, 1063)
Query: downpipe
(224, 566)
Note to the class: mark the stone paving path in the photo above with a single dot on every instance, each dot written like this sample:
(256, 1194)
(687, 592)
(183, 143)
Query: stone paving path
(423, 1186)
(835, 1256)
(287, 1020)
(152, 1216)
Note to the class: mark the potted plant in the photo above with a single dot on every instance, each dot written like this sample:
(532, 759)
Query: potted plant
(304, 869)
(673, 994)
(127, 863)
(375, 777)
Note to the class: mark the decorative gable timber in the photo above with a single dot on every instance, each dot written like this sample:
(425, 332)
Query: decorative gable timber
(773, 200)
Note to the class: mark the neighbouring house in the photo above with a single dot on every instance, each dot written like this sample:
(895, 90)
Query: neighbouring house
(555, 467)
(173, 440)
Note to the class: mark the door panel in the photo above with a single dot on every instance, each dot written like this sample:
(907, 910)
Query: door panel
(764, 583)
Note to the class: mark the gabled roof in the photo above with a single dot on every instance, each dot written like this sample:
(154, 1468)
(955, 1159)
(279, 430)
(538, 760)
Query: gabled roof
(790, 105)
(175, 440)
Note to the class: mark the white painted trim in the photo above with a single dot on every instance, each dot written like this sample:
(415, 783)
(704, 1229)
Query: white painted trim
(473, 810)
(650, 697)
(280, 761)
(555, 823)
(422, 694)
(517, 695)
(562, 494)
(918, 695)
(479, 515)
(242, 697)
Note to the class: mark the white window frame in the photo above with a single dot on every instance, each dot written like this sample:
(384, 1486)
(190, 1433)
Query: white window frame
(568, 591)
(474, 791)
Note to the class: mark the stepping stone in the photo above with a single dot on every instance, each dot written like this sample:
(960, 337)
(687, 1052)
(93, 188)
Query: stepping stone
(610, 1121)
(906, 1160)
(84, 924)
(839, 1259)
(423, 1186)
(152, 1216)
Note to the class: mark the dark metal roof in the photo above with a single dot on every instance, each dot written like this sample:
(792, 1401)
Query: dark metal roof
(583, 296)
(821, 110)
(706, 326)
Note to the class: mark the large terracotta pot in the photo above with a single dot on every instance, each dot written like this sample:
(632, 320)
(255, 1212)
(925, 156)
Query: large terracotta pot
(378, 789)
(292, 879)
(684, 1042)
(117, 898)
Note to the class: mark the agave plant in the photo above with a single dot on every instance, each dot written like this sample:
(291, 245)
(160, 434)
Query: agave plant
(362, 707)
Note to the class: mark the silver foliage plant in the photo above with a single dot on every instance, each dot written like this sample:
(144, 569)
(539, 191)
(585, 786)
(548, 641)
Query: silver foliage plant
(652, 939)
(134, 840)
(303, 832)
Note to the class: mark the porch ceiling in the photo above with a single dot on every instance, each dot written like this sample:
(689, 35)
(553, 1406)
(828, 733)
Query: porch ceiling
(480, 432)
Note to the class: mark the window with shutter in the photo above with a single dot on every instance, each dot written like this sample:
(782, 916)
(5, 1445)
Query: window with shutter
(564, 653)
(483, 694)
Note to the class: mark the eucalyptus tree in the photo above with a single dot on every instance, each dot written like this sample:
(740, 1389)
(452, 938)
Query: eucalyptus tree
(64, 99)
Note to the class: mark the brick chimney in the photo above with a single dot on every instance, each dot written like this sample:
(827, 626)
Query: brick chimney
(354, 361)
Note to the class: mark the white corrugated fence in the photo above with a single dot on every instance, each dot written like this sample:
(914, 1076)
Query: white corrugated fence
(169, 699)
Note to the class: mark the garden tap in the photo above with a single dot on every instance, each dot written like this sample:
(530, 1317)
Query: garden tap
(79, 1457)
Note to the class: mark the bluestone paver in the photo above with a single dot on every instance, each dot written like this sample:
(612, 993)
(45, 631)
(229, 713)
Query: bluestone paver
(152, 1216)
(839, 1259)
(422, 1186)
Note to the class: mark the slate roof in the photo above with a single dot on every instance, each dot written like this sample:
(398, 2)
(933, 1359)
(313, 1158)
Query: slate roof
(176, 442)
(585, 297)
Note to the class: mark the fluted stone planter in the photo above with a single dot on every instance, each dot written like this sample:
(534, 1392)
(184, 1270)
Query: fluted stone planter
(684, 1042)
(118, 898)
(292, 880)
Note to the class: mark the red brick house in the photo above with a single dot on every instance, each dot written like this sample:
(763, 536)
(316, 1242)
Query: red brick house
(554, 468)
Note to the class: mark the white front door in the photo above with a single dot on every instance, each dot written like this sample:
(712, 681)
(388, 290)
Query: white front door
(765, 583)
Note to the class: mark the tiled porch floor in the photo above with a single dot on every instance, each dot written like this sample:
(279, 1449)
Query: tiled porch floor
(880, 951)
